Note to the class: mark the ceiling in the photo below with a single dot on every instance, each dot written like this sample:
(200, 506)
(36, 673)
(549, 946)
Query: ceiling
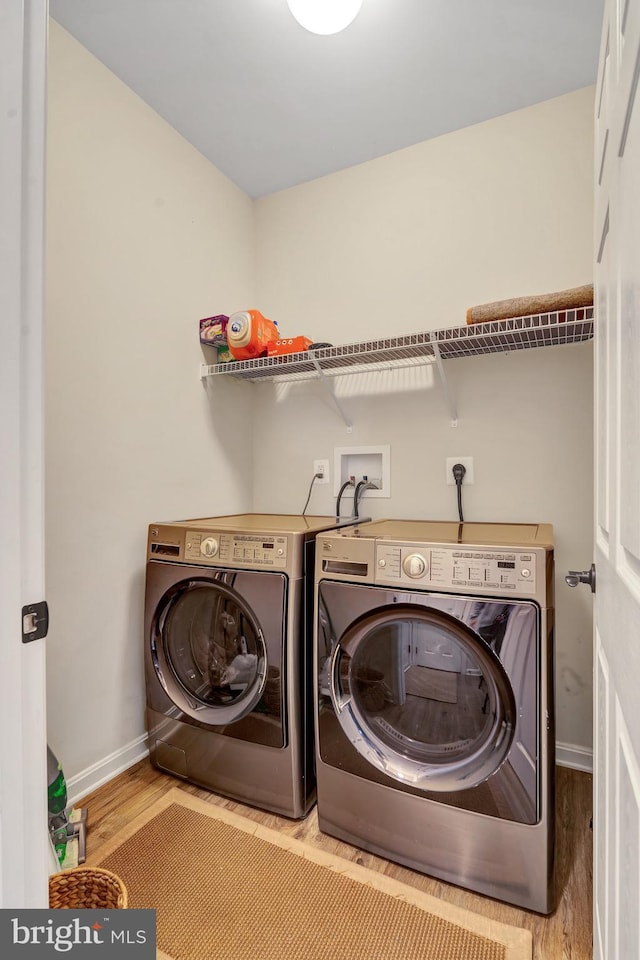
(272, 105)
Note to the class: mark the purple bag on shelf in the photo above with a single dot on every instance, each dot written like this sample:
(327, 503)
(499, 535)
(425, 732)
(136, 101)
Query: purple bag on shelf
(213, 330)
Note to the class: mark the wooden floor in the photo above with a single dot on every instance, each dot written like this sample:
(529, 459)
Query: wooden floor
(564, 934)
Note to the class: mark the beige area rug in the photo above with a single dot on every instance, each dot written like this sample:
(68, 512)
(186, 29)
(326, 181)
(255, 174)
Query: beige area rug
(225, 887)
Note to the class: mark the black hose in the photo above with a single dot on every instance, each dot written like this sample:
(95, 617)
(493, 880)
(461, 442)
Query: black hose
(356, 496)
(347, 483)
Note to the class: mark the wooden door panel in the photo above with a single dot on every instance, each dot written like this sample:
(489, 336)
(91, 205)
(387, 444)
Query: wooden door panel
(617, 512)
(628, 838)
(602, 841)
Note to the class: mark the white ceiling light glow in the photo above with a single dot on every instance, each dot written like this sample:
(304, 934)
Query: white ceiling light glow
(324, 16)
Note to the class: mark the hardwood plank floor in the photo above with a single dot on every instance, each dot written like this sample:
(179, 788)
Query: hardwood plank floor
(564, 935)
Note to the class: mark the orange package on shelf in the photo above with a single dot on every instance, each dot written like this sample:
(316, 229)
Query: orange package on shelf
(249, 333)
(276, 348)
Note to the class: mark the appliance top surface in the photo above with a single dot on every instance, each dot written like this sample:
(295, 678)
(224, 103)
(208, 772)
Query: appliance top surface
(437, 531)
(258, 523)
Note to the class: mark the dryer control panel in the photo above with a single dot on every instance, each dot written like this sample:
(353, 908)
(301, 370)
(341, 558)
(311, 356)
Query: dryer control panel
(247, 550)
(495, 571)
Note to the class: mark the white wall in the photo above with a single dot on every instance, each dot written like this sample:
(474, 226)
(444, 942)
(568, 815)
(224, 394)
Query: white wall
(144, 237)
(407, 243)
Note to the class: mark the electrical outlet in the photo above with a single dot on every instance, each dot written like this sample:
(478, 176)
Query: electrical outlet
(321, 466)
(467, 463)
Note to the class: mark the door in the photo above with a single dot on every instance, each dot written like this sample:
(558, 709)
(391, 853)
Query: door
(215, 650)
(432, 695)
(24, 846)
(209, 651)
(617, 515)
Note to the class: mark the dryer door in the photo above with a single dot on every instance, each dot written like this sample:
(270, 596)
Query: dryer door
(209, 651)
(422, 696)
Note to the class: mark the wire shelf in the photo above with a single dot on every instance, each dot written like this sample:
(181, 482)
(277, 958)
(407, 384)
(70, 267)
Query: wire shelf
(519, 333)
(499, 336)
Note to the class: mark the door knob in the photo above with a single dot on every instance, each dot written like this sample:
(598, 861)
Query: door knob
(574, 577)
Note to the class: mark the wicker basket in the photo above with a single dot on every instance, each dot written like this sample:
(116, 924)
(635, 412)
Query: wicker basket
(87, 888)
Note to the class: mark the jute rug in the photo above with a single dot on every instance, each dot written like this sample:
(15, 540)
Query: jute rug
(226, 888)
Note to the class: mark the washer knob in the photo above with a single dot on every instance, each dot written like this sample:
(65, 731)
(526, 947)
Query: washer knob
(414, 565)
(209, 547)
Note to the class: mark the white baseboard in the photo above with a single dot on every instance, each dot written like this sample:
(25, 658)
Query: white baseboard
(104, 770)
(567, 755)
(578, 758)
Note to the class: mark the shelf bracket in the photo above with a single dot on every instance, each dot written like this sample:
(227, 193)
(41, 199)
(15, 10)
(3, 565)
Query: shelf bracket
(325, 383)
(443, 379)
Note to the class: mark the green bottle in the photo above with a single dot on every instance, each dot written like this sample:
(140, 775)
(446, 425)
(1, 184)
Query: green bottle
(56, 802)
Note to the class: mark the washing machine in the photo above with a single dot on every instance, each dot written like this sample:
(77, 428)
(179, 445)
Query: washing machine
(228, 655)
(435, 743)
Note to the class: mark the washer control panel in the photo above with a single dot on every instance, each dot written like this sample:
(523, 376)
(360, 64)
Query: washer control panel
(247, 550)
(496, 571)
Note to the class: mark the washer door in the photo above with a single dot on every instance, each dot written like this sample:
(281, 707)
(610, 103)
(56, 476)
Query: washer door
(209, 651)
(422, 697)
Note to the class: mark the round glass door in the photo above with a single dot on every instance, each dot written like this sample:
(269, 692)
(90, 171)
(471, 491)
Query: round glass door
(422, 697)
(209, 651)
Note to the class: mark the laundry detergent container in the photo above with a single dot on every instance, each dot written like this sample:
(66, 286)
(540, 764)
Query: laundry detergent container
(248, 334)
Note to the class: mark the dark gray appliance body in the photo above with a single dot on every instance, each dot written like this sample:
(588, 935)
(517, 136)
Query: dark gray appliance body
(434, 700)
(228, 661)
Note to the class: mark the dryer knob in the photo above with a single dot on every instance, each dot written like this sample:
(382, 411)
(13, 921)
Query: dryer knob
(414, 565)
(209, 547)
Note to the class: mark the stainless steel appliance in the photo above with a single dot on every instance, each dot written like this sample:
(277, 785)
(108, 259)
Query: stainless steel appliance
(434, 699)
(228, 658)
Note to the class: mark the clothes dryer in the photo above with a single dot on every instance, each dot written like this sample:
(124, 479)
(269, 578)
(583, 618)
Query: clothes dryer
(228, 659)
(434, 697)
